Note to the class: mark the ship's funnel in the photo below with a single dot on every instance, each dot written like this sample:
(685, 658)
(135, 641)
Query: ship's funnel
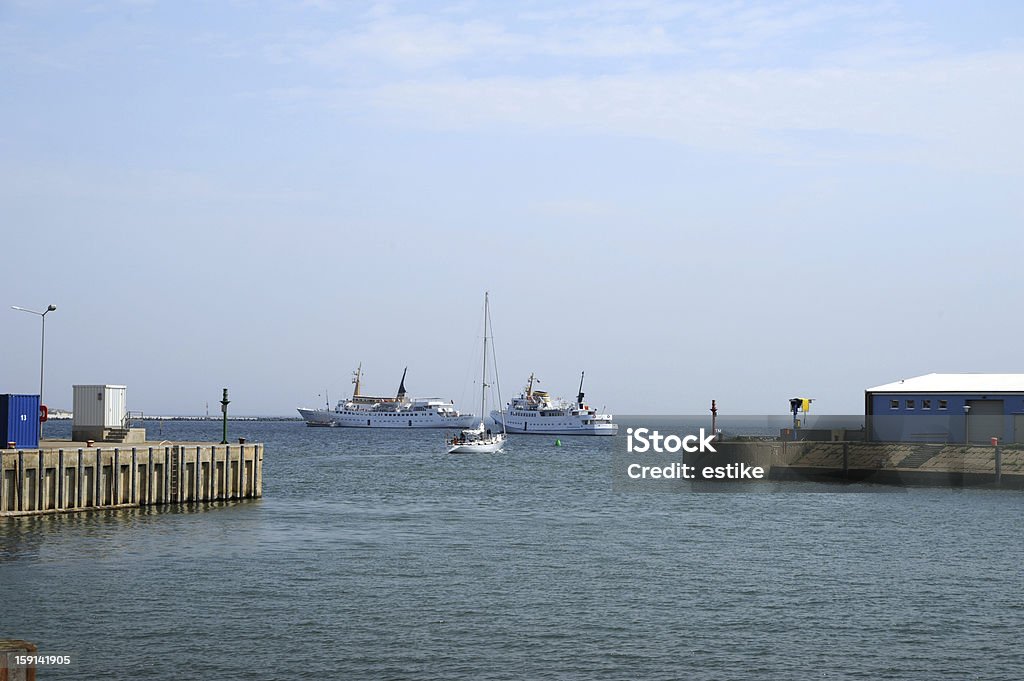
(401, 386)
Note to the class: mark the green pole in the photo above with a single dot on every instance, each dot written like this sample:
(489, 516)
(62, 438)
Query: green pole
(224, 410)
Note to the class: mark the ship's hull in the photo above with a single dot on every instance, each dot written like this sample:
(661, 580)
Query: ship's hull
(537, 426)
(322, 417)
(316, 417)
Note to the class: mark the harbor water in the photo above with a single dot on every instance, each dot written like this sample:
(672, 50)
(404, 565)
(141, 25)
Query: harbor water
(375, 555)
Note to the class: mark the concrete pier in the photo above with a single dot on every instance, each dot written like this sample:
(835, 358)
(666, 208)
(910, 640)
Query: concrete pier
(903, 463)
(63, 476)
(895, 463)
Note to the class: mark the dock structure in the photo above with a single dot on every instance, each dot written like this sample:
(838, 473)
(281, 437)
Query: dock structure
(890, 463)
(903, 463)
(63, 476)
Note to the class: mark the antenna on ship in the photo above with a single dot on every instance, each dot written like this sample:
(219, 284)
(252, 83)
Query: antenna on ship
(579, 398)
(355, 379)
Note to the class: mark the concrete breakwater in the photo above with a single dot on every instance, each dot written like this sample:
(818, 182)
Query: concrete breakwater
(61, 477)
(903, 463)
(880, 462)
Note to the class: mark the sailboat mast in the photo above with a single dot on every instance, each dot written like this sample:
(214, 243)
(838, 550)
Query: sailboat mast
(483, 380)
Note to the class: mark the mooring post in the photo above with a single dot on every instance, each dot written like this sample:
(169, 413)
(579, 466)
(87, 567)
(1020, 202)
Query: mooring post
(19, 483)
(999, 465)
(135, 483)
(60, 479)
(79, 492)
(40, 480)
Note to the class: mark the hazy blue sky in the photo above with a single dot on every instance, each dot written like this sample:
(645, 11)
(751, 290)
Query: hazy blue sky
(740, 201)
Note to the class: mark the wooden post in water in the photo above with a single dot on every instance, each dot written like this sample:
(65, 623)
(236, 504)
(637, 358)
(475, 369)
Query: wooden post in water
(10, 670)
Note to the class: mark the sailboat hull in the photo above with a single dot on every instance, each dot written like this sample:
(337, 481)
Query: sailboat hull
(488, 446)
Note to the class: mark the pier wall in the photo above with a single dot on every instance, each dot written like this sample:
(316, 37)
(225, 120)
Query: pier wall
(906, 463)
(896, 463)
(764, 454)
(77, 479)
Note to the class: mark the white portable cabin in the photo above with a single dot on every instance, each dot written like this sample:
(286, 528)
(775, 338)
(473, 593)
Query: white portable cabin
(99, 406)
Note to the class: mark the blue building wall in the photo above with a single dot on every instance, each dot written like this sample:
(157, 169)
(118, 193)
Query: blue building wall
(906, 423)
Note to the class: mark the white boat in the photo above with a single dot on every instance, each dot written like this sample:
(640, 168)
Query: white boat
(367, 411)
(535, 413)
(480, 440)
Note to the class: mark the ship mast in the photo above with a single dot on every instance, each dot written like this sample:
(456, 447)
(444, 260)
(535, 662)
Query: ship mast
(483, 380)
(579, 398)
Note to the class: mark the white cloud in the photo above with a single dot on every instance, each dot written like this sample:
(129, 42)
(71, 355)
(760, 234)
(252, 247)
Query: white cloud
(477, 38)
(412, 42)
(793, 79)
(952, 112)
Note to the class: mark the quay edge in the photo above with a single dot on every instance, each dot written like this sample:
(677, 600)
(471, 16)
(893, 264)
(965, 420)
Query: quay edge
(61, 477)
(886, 463)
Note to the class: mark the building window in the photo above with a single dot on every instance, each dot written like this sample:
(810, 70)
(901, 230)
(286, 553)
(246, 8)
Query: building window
(926, 404)
(943, 404)
(910, 404)
(894, 404)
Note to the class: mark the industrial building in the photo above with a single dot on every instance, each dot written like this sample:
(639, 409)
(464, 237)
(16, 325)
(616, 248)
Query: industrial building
(949, 408)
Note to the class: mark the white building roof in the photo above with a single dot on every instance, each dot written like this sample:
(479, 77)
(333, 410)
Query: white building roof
(955, 383)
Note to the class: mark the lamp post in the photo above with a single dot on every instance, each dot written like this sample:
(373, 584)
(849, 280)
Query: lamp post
(224, 410)
(967, 424)
(42, 345)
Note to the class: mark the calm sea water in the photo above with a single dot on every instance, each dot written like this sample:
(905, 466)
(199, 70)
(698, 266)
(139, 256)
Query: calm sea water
(374, 555)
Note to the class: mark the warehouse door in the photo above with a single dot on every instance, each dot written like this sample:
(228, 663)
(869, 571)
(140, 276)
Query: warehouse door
(1018, 428)
(985, 421)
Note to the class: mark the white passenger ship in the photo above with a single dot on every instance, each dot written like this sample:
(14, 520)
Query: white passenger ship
(534, 412)
(366, 411)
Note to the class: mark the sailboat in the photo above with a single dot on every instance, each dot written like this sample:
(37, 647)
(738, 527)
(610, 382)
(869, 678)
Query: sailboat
(480, 439)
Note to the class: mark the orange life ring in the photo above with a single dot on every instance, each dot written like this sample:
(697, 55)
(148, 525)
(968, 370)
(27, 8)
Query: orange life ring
(43, 413)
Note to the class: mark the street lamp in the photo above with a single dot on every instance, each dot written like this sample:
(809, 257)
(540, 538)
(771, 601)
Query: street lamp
(967, 424)
(42, 344)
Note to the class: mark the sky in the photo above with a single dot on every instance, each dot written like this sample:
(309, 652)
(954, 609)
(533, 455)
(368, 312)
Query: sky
(688, 200)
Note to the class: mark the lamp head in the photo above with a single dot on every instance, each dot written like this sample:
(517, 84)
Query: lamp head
(51, 308)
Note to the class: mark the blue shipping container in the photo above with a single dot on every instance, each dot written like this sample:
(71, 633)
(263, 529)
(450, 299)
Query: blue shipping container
(19, 421)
